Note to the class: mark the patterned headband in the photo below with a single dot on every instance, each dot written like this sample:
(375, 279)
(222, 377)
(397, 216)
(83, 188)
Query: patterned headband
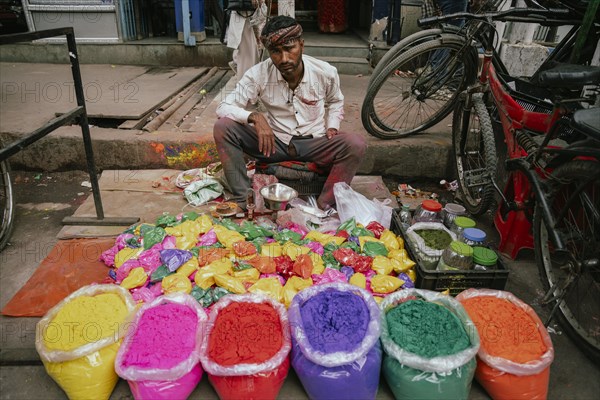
(282, 36)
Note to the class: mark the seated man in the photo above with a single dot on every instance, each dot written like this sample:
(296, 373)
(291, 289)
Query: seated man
(304, 108)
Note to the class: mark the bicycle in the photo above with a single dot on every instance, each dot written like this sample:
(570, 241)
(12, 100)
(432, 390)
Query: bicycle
(553, 182)
(6, 205)
(411, 89)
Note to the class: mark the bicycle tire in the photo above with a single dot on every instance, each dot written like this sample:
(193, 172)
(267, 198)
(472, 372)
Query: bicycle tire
(474, 155)
(579, 312)
(407, 43)
(6, 204)
(403, 101)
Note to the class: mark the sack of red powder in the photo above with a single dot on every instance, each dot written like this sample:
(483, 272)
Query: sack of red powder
(160, 356)
(246, 347)
(78, 339)
(429, 343)
(516, 351)
(335, 341)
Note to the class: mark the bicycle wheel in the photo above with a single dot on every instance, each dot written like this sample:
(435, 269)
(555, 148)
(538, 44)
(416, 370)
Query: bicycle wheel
(574, 199)
(407, 43)
(419, 87)
(474, 151)
(6, 204)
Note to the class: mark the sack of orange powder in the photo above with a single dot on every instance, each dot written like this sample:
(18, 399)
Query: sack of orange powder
(246, 347)
(514, 359)
(78, 340)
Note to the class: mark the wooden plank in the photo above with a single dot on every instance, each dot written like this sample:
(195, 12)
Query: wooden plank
(176, 119)
(158, 121)
(191, 124)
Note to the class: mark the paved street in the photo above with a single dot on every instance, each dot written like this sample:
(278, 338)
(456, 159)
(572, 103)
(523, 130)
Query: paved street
(44, 199)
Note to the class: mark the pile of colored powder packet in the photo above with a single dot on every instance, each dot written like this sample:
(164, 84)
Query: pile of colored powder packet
(209, 258)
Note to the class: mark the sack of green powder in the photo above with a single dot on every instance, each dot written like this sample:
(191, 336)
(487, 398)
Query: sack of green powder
(516, 351)
(246, 347)
(335, 341)
(429, 345)
(429, 240)
(78, 339)
(160, 355)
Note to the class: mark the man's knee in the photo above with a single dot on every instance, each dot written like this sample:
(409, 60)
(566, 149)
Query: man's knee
(356, 143)
(222, 127)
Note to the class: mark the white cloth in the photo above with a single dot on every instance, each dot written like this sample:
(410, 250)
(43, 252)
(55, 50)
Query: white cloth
(242, 36)
(316, 105)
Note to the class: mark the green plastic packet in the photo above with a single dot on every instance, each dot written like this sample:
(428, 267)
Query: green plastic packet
(374, 249)
(160, 273)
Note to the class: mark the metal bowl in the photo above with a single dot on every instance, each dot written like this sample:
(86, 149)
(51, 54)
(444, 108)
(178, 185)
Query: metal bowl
(277, 196)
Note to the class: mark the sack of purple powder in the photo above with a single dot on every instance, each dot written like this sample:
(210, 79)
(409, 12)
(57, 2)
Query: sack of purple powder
(160, 356)
(335, 341)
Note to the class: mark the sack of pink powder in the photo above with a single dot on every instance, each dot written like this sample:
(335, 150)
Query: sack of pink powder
(160, 355)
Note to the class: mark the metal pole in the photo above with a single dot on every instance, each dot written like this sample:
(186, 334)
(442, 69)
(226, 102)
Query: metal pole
(83, 122)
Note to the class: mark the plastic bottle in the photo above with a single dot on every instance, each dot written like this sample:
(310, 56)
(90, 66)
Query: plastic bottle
(450, 212)
(460, 224)
(405, 217)
(428, 211)
(473, 237)
(484, 259)
(457, 256)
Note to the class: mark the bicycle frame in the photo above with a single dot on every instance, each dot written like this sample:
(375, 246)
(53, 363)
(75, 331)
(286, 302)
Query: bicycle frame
(527, 176)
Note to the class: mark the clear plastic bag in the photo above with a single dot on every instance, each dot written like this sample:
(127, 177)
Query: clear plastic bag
(506, 379)
(339, 375)
(350, 203)
(412, 376)
(88, 370)
(248, 380)
(135, 373)
(428, 255)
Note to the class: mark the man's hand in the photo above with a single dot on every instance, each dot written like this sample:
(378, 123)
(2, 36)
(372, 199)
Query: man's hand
(331, 132)
(266, 138)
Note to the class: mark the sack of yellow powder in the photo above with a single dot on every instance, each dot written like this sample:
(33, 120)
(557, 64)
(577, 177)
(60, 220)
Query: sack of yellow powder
(160, 355)
(78, 340)
(246, 347)
(516, 350)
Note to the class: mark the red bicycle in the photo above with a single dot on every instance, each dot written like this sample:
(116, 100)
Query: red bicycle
(549, 174)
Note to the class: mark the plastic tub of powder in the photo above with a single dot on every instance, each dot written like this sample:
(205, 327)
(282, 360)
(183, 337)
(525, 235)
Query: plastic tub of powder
(246, 347)
(335, 341)
(430, 344)
(78, 339)
(160, 356)
(516, 351)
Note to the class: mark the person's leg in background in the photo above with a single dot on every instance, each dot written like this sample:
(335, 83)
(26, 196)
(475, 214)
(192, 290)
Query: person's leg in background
(246, 55)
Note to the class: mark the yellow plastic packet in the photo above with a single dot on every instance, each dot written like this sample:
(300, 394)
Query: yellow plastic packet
(136, 278)
(188, 268)
(382, 265)
(324, 238)
(385, 283)
(205, 277)
(412, 275)
(400, 260)
(226, 237)
(318, 264)
(78, 349)
(176, 283)
(247, 275)
(270, 287)
(186, 234)
(293, 250)
(358, 279)
(204, 223)
(271, 250)
(125, 254)
(292, 287)
(230, 283)
(390, 240)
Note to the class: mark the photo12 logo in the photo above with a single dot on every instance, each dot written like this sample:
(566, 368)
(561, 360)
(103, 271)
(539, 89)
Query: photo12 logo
(64, 92)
